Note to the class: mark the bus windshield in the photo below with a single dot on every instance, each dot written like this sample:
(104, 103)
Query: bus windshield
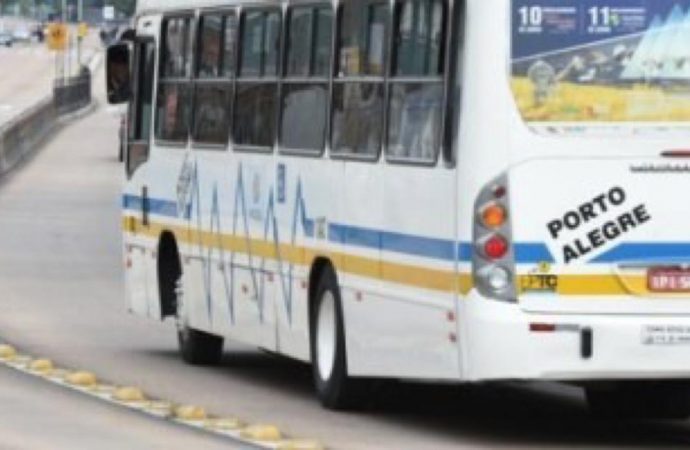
(601, 62)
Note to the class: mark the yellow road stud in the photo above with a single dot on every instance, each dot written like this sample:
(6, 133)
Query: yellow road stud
(7, 352)
(83, 379)
(224, 424)
(266, 433)
(42, 366)
(190, 412)
(129, 395)
(301, 444)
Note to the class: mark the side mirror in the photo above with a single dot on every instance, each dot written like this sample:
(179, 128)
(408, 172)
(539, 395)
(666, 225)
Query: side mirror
(118, 74)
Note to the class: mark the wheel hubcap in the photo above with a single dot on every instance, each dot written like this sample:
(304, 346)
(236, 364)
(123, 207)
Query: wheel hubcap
(326, 335)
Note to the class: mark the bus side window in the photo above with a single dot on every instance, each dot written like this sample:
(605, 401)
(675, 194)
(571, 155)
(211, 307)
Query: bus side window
(305, 87)
(141, 109)
(173, 106)
(254, 124)
(415, 105)
(212, 90)
(358, 90)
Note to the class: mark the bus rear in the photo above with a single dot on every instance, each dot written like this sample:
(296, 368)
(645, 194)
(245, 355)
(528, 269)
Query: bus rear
(583, 242)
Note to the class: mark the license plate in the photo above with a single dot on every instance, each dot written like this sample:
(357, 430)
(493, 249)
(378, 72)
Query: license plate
(668, 280)
(666, 335)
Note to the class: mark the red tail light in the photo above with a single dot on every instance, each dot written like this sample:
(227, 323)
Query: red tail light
(496, 247)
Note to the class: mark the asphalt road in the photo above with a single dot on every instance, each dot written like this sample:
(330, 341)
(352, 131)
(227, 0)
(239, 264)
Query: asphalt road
(26, 77)
(61, 296)
(27, 70)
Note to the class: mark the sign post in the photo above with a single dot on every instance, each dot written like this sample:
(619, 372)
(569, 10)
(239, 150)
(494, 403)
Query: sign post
(82, 32)
(57, 35)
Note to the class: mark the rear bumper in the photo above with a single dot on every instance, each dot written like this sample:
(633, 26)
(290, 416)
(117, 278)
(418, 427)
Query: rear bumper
(499, 345)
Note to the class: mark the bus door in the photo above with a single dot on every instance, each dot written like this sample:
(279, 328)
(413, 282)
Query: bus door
(138, 144)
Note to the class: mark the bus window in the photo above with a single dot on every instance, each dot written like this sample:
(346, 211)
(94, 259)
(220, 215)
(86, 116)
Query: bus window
(173, 108)
(230, 46)
(257, 85)
(212, 93)
(358, 89)
(305, 89)
(210, 45)
(142, 105)
(415, 107)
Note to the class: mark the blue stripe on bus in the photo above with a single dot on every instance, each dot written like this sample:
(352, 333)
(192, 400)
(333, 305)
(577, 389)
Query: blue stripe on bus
(667, 251)
(157, 207)
(393, 242)
(532, 252)
(407, 244)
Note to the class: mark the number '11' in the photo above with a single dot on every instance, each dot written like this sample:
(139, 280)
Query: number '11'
(600, 16)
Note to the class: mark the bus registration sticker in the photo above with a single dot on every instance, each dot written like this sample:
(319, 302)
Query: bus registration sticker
(666, 335)
(668, 280)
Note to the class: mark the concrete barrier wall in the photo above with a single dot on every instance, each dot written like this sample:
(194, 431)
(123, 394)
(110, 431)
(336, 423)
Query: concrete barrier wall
(21, 135)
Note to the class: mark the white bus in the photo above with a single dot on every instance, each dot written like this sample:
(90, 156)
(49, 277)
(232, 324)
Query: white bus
(446, 190)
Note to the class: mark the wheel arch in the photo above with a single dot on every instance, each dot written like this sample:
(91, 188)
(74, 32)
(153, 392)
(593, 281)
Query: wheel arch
(169, 269)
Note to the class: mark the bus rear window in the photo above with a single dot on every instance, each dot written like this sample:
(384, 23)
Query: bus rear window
(612, 61)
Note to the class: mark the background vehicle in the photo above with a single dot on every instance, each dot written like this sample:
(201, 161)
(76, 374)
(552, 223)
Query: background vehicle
(404, 208)
(6, 39)
(21, 34)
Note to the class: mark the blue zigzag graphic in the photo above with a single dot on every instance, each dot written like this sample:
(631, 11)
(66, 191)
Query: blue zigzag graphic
(241, 219)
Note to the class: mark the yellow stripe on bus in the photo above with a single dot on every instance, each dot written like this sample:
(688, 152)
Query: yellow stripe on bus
(398, 273)
(417, 276)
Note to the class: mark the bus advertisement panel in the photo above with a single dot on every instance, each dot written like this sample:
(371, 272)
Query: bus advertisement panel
(601, 61)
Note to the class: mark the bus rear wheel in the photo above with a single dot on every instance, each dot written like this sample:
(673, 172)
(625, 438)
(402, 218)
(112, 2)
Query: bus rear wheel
(641, 400)
(196, 347)
(334, 387)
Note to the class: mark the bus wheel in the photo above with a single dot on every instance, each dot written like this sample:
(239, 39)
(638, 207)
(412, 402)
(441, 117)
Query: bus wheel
(196, 347)
(335, 389)
(641, 400)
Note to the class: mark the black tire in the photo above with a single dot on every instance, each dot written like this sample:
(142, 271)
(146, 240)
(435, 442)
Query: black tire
(199, 348)
(337, 391)
(641, 400)
(196, 347)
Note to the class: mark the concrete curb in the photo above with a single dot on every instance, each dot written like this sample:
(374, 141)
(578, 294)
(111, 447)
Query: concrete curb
(260, 436)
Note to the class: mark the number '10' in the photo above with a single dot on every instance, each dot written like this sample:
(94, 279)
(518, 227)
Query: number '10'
(531, 16)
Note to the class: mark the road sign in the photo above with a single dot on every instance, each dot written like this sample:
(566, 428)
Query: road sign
(57, 36)
(109, 13)
(83, 30)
